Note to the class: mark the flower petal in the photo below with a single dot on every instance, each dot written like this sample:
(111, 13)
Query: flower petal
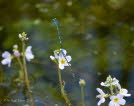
(61, 66)
(6, 54)
(112, 97)
(101, 101)
(68, 58)
(29, 54)
(111, 103)
(119, 86)
(28, 49)
(115, 81)
(63, 51)
(67, 64)
(100, 91)
(103, 84)
(29, 57)
(6, 61)
(98, 96)
(56, 55)
(127, 95)
(122, 101)
(120, 96)
(125, 91)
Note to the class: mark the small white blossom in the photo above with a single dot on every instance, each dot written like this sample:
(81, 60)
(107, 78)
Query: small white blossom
(7, 58)
(101, 96)
(124, 92)
(113, 81)
(61, 57)
(64, 60)
(117, 100)
(23, 36)
(28, 53)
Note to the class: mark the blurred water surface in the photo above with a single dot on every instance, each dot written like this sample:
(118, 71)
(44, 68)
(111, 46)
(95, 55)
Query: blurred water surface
(97, 34)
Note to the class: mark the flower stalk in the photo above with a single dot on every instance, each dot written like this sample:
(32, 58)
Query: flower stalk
(82, 83)
(26, 75)
(21, 67)
(61, 60)
(62, 89)
(82, 95)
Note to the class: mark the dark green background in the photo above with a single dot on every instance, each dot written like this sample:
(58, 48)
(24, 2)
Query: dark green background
(98, 34)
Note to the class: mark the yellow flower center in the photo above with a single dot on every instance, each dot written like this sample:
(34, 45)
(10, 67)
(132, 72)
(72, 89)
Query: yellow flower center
(116, 100)
(63, 61)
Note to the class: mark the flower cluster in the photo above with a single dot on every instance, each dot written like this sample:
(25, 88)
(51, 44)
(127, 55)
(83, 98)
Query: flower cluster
(23, 36)
(61, 59)
(7, 56)
(116, 93)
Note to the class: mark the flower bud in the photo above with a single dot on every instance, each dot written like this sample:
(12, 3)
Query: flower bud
(82, 82)
(15, 46)
(23, 36)
(16, 53)
(52, 57)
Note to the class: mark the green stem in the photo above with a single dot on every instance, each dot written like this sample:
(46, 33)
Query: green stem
(62, 89)
(111, 89)
(23, 77)
(26, 75)
(82, 95)
(21, 65)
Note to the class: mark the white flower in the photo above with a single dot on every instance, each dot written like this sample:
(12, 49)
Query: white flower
(7, 58)
(113, 81)
(123, 91)
(28, 53)
(101, 96)
(117, 100)
(63, 59)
